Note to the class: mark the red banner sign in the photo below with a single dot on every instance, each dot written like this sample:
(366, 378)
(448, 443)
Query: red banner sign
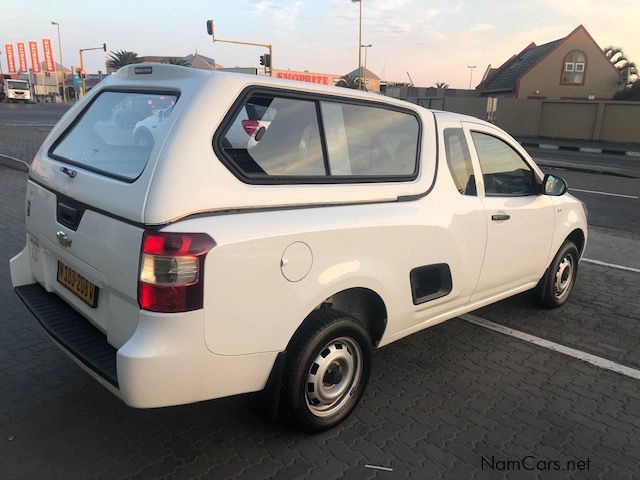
(49, 64)
(35, 59)
(11, 61)
(321, 78)
(22, 57)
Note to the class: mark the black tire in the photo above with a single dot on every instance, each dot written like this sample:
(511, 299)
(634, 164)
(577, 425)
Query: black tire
(346, 340)
(555, 287)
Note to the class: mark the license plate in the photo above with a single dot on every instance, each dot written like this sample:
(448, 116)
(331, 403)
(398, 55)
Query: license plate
(78, 285)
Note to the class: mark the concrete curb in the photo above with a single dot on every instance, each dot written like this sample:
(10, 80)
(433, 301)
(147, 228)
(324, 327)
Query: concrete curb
(13, 163)
(608, 151)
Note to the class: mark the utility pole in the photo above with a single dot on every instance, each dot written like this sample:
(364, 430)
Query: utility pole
(359, 43)
(470, 67)
(211, 31)
(366, 49)
(64, 89)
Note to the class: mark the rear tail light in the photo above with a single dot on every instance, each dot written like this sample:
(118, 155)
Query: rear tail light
(172, 271)
(250, 126)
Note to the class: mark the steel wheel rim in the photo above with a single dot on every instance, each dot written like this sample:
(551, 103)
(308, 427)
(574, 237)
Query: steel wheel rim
(333, 376)
(563, 278)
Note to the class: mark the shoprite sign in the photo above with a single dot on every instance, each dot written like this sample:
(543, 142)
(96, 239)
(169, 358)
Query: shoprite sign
(310, 77)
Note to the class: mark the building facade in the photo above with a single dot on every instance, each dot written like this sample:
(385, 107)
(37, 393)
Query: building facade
(570, 68)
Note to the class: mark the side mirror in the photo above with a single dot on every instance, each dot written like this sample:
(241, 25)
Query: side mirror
(554, 186)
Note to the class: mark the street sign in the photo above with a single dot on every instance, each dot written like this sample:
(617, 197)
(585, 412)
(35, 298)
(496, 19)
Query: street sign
(77, 81)
(83, 74)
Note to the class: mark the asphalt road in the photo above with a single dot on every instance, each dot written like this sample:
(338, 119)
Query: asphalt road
(31, 113)
(439, 401)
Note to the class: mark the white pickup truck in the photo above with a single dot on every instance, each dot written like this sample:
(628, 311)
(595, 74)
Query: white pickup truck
(273, 254)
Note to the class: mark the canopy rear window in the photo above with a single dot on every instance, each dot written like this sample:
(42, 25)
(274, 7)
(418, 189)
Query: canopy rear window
(116, 133)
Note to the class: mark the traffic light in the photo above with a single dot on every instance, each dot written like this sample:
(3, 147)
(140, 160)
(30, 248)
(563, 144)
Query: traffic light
(265, 60)
(104, 47)
(210, 28)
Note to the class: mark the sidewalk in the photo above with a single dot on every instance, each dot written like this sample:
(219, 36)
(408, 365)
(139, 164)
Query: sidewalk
(585, 146)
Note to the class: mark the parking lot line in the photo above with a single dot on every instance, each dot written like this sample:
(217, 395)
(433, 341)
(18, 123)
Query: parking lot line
(612, 265)
(27, 124)
(556, 347)
(376, 467)
(603, 193)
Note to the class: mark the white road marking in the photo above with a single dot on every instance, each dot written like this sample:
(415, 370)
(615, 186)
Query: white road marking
(14, 159)
(556, 347)
(612, 265)
(603, 193)
(376, 467)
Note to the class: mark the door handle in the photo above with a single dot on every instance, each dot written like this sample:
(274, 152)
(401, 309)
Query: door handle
(500, 217)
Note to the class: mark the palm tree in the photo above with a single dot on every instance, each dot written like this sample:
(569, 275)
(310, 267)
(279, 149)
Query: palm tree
(350, 81)
(619, 60)
(441, 85)
(120, 58)
(178, 61)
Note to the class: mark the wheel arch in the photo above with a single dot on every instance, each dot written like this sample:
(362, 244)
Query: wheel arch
(362, 303)
(577, 236)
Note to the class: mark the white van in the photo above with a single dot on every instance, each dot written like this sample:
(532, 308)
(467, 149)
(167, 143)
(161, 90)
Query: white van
(17, 91)
(210, 260)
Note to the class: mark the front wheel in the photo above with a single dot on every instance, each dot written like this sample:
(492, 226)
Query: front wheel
(557, 284)
(327, 372)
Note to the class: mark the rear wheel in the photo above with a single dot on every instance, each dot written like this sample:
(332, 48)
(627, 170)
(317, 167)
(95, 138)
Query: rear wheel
(327, 371)
(557, 284)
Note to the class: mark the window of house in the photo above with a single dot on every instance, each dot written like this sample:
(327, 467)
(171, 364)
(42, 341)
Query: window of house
(504, 171)
(574, 68)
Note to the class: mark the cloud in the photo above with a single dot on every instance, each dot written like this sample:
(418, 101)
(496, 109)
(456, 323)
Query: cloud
(283, 14)
(287, 17)
(481, 27)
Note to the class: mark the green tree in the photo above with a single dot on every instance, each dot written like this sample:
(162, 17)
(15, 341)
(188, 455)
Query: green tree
(631, 93)
(441, 85)
(120, 58)
(178, 61)
(350, 81)
(619, 60)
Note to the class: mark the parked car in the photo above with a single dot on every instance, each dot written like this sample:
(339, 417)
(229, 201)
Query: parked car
(197, 267)
(148, 130)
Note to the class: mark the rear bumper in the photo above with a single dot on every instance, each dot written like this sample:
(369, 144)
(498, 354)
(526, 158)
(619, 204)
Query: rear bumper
(71, 331)
(165, 362)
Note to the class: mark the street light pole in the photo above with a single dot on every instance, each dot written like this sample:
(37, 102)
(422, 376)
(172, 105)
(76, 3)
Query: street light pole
(359, 43)
(64, 89)
(470, 67)
(366, 49)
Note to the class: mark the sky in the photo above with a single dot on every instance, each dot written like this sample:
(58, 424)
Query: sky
(433, 40)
